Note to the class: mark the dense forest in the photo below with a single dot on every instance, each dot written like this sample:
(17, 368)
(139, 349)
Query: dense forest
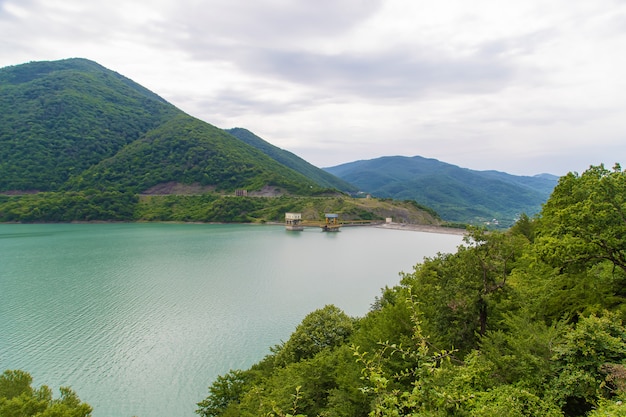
(92, 205)
(75, 126)
(523, 322)
(59, 118)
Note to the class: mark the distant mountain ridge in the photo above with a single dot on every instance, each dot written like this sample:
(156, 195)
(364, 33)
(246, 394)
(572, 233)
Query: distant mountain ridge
(75, 125)
(457, 194)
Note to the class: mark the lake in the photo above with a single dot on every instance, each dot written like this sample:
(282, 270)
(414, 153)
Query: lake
(140, 318)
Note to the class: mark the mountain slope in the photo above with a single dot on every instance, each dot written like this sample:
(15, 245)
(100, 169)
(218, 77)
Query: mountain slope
(457, 194)
(187, 150)
(73, 124)
(292, 161)
(59, 118)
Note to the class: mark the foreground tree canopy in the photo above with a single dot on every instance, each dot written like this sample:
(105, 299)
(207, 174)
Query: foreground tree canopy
(19, 399)
(527, 322)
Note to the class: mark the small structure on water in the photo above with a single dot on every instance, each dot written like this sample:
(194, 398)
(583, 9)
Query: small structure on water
(293, 221)
(332, 223)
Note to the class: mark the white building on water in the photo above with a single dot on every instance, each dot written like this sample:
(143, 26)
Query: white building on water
(293, 221)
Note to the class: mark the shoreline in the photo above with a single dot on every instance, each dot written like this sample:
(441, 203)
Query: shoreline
(422, 228)
(409, 227)
(391, 226)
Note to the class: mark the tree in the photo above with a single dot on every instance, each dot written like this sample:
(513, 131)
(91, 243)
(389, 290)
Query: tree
(223, 392)
(580, 235)
(426, 395)
(14, 383)
(19, 399)
(584, 221)
(512, 401)
(459, 294)
(495, 254)
(525, 226)
(520, 353)
(589, 364)
(322, 329)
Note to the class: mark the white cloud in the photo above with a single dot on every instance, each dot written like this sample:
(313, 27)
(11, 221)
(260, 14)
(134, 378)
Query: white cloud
(523, 87)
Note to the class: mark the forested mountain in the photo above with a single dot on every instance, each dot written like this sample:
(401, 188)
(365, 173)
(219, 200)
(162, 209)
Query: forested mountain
(186, 150)
(59, 118)
(292, 161)
(456, 194)
(75, 125)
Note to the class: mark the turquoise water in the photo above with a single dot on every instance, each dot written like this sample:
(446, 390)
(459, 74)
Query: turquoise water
(139, 318)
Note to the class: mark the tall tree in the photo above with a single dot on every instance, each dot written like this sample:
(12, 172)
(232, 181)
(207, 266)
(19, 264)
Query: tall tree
(495, 254)
(324, 328)
(584, 221)
(458, 293)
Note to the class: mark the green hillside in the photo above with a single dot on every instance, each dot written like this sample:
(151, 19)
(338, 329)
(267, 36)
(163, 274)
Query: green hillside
(457, 194)
(59, 118)
(75, 125)
(187, 150)
(292, 161)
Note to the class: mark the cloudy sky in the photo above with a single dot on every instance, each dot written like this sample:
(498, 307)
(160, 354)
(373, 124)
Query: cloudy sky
(524, 87)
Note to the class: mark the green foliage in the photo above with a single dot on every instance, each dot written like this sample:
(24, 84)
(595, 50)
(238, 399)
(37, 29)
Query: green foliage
(425, 371)
(586, 366)
(187, 150)
(69, 206)
(389, 320)
(589, 363)
(512, 401)
(19, 399)
(520, 353)
(525, 226)
(302, 387)
(584, 222)
(613, 408)
(462, 294)
(92, 205)
(580, 235)
(225, 391)
(325, 328)
(15, 383)
(59, 118)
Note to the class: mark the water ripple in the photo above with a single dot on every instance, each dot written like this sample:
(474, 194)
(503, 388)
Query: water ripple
(139, 318)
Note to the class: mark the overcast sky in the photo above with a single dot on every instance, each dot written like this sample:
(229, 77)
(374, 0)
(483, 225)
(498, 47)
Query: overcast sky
(524, 87)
